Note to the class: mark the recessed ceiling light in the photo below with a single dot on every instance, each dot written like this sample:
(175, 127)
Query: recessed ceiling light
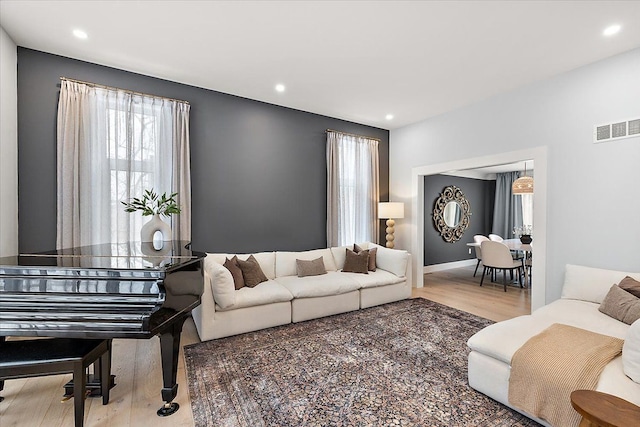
(280, 88)
(389, 117)
(80, 34)
(611, 30)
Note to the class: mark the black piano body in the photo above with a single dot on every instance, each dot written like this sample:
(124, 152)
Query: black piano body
(123, 290)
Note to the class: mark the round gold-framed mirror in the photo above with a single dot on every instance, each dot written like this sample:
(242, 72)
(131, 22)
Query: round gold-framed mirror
(451, 214)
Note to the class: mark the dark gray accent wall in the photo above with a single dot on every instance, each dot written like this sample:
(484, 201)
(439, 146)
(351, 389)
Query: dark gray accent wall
(480, 194)
(258, 170)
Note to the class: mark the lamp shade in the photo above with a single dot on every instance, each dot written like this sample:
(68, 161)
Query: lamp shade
(522, 185)
(390, 210)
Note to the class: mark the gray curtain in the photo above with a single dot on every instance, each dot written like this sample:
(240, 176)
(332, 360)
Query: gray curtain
(507, 210)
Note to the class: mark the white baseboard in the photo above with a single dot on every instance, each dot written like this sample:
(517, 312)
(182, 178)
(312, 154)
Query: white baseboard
(449, 265)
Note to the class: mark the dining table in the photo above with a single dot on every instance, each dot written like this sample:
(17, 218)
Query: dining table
(514, 245)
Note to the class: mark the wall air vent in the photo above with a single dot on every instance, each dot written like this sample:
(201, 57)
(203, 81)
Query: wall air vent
(617, 130)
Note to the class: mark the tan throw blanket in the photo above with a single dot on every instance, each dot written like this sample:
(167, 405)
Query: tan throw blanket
(552, 364)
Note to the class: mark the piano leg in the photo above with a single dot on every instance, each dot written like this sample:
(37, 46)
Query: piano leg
(2, 339)
(169, 350)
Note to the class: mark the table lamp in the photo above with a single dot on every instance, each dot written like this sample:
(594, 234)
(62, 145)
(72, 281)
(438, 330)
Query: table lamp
(389, 211)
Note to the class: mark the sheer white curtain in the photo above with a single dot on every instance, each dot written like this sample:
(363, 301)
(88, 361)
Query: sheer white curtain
(352, 189)
(112, 145)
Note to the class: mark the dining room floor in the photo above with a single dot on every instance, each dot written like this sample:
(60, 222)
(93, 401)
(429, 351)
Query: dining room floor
(458, 288)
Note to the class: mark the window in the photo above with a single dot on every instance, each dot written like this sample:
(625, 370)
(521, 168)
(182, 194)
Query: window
(527, 209)
(352, 189)
(113, 145)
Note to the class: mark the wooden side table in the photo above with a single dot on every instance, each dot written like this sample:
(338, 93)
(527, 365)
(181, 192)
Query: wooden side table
(604, 410)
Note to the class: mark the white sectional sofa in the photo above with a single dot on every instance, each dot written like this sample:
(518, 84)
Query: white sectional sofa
(584, 289)
(286, 298)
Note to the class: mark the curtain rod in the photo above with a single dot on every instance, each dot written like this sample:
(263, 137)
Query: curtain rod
(353, 134)
(123, 90)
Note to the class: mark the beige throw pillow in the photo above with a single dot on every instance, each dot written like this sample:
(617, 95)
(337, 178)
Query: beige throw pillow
(621, 305)
(313, 267)
(356, 262)
(372, 255)
(251, 272)
(630, 285)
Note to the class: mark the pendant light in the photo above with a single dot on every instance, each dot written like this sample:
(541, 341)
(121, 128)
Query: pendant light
(524, 184)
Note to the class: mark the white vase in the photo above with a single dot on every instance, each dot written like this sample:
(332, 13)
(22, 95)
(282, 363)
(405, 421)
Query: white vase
(155, 224)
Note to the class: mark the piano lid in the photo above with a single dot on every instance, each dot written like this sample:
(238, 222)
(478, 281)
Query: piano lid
(130, 259)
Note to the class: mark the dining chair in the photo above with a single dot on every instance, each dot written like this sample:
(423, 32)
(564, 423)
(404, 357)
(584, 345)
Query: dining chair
(498, 238)
(478, 238)
(528, 264)
(496, 255)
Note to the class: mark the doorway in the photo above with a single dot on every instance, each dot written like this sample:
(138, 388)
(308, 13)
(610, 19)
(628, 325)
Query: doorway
(539, 156)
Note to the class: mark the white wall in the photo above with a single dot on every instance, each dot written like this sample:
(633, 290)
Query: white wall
(8, 146)
(593, 194)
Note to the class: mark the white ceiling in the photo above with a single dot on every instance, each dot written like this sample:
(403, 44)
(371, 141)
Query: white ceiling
(355, 60)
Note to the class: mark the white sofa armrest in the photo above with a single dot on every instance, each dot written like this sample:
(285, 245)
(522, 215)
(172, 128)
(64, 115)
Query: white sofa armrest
(207, 308)
(395, 261)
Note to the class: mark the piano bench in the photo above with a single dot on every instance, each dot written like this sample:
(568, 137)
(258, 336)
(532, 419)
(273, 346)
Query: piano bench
(40, 357)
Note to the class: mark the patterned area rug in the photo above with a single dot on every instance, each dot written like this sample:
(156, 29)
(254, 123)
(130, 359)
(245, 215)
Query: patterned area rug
(400, 364)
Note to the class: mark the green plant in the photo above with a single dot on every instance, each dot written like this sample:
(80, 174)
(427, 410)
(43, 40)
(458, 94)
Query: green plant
(151, 204)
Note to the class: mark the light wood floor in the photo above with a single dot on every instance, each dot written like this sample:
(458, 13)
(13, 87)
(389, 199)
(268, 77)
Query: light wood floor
(458, 288)
(133, 401)
(35, 402)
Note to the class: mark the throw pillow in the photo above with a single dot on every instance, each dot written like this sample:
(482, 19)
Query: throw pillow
(251, 272)
(314, 267)
(356, 262)
(630, 285)
(236, 273)
(631, 352)
(221, 284)
(621, 305)
(372, 255)
(392, 260)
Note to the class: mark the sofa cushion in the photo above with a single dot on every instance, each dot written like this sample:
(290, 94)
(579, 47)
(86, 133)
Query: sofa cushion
(591, 284)
(631, 352)
(314, 267)
(268, 292)
(222, 286)
(236, 272)
(267, 261)
(251, 272)
(375, 278)
(392, 260)
(356, 262)
(502, 339)
(621, 305)
(372, 255)
(339, 254)
(286, 261)
(630, 285)
(332, 283)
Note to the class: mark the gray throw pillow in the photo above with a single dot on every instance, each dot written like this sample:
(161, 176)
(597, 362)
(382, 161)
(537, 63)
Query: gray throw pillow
(236, 272)
(621, 305)
(372, 256)
(251, 272)
(314, 267)
(630, 285)
(356, 262)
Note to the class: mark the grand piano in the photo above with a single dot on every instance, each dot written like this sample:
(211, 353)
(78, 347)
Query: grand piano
(126, 290)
